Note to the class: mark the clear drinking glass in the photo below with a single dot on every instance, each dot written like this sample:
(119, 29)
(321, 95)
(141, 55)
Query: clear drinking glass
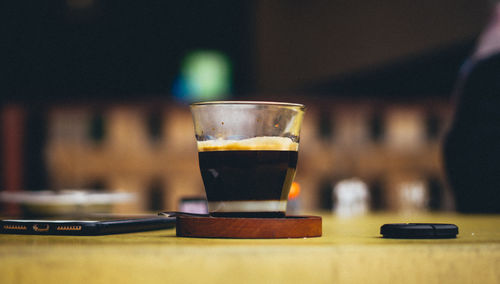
(247, 155)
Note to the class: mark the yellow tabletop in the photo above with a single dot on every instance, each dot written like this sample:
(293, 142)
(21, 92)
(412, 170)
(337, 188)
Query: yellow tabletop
(350, 251)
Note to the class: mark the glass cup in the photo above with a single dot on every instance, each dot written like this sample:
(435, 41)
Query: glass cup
(247, 155)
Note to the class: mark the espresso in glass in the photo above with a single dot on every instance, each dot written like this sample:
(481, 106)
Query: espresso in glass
(250, 177)
(247, 155)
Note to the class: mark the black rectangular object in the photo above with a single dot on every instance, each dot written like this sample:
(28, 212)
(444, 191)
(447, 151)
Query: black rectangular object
(85, 227)
(419, 231)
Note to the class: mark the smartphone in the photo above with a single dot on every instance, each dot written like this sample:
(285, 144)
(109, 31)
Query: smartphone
(92, 226)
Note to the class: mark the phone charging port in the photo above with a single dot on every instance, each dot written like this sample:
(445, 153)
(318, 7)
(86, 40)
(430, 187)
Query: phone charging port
(41, 227)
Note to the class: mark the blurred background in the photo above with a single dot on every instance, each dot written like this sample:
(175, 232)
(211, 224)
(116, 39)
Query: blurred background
(95, 94)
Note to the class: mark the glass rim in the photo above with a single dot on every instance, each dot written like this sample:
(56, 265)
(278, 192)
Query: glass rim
(270, 103)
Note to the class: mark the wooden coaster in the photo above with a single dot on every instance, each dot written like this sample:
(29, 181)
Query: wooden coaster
(249, 228)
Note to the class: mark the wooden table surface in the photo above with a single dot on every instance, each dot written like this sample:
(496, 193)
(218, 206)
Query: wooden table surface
(350, 251)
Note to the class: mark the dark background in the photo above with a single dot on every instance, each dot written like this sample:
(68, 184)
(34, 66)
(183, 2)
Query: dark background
(115, 49)
(106, 49)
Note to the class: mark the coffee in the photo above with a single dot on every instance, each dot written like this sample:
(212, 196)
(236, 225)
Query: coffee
(248, 178)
